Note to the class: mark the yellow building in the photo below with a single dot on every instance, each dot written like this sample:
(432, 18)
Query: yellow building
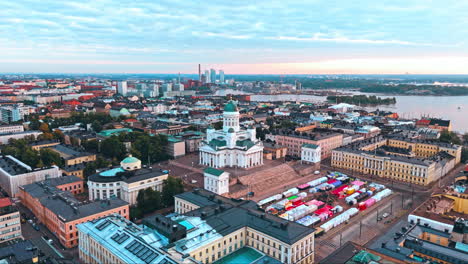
(408, 161)
(72, 156)
(235, 224)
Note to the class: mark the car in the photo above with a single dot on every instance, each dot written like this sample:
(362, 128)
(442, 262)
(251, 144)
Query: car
(385, 215)
(379, 219)
(36, 227)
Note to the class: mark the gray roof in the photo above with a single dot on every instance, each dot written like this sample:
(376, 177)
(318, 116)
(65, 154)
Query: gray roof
(228, 215)
(19, 252)
(65, 205)
(129, 176)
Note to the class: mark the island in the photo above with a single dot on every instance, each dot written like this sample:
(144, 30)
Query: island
(361, 100)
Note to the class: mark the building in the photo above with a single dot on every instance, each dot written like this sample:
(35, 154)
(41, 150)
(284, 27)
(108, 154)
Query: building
(10, 222)
(231, 146)
(407, 160)
(274, 151)
(192, 140)
(207, 76)
(125, 181)
(311, 153)
(218, 226)
(294, 141)
(4, 138)
(60, 211)
(9, 129)
(431, 234)
(352, 253)
(74, 170)
(38, 145)
(213, 75)
(221, 76)
(114, 239)
(21, 252)
(216, 181)
(14, 173)
(9, 114)
(122, 88)
(73, 156)
(175, 147)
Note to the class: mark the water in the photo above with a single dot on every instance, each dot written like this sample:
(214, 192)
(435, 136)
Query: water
(454, 108)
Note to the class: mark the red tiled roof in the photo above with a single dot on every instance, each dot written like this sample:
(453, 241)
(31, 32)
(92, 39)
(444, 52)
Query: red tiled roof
(5, 202)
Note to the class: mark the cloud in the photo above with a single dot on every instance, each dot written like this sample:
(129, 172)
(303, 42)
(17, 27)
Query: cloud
(319, 37)
(221, 31)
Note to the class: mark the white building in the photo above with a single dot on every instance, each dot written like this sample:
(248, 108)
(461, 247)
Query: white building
(231, 146)
(216, 181)
(11, 129)
(4, 138)
(14, 173)
(125, 181)
(310, 153)
(122, 88)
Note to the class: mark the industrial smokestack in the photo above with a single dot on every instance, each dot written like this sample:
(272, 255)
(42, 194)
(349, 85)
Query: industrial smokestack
(199, 72)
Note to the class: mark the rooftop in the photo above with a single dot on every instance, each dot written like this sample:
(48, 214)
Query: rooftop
(65, 205)
(213, 171)
(119, 174)
(227, 215)
(128, 241)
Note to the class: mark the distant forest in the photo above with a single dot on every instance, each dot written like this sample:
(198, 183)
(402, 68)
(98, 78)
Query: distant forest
(361, 100)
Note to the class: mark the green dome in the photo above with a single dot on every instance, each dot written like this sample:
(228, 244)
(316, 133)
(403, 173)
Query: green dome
(130, 160)
(230, 107)
(231, 130)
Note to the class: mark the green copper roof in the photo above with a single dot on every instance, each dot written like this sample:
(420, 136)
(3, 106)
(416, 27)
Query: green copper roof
(213, 171)
(217, 143)
(245, 143)
(130, 160)
(231, 130)
(230, 107)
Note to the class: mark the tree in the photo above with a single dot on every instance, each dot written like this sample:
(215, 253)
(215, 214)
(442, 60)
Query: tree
(113, 148)
(44, 127)
(450, 137)
(172, 186)
(50, 157)
(59, 135)
(465, 138)
(96, 126)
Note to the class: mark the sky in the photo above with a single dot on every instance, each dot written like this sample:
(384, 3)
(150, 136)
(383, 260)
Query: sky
(241, 37)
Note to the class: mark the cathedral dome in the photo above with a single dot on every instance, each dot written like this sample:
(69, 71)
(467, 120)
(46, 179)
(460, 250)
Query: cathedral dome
(231, 130)
(230, 107)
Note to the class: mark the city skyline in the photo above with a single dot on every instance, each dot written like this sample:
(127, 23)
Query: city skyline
(267, 37)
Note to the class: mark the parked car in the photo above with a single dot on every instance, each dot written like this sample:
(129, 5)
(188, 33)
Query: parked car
(385, 215)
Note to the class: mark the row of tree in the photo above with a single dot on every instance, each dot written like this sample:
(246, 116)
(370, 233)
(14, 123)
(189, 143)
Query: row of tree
(36, 159)
(148, 148)
(361, 99)
(150, 200)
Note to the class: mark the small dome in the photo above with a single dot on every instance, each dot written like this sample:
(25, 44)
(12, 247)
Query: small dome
(230, 107)
(231, 130)
(130, 159)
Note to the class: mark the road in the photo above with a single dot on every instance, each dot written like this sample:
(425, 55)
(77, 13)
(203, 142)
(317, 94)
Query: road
(364, 228)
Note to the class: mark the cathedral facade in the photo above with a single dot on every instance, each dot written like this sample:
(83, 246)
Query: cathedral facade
(231, 146)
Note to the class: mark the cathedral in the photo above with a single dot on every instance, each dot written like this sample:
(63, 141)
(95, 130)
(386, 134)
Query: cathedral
(231, 146)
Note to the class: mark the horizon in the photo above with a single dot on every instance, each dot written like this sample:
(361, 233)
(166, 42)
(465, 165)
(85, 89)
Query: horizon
(266, 37)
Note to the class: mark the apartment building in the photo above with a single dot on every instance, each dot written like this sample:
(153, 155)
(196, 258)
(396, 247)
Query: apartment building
(10, 224)
(14, 173)
(294, 141)
(60, 211)
(397, 159)
(228, 225)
